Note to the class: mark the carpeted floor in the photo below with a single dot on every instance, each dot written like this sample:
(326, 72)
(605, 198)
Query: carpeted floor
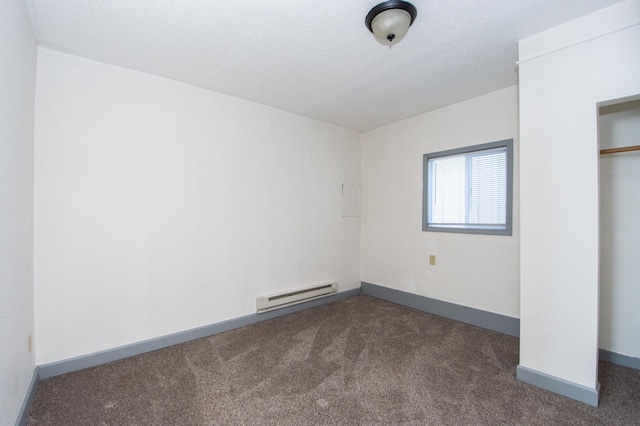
(361, 361)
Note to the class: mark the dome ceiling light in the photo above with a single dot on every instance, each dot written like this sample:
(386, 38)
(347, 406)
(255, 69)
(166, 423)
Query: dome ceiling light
(390, 20)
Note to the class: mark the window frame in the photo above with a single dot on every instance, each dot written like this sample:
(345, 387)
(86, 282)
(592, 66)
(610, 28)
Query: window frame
(470, 229)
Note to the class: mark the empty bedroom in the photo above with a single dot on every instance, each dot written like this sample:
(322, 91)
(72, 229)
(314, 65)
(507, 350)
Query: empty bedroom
(286, 213)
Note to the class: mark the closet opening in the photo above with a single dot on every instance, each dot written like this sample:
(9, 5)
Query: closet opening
(619, 144)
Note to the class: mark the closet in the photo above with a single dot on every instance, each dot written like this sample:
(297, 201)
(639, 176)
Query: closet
(619, 138)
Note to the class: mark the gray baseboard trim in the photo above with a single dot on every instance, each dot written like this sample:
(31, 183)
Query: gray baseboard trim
(619, 359)
(559, 386)
(109, 355)
(477, 317)
(23, 414)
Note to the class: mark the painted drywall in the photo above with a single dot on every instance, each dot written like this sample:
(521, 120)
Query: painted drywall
(17, 68)
(619, 126)
(479, 271)
(161, 207)
(564, 73)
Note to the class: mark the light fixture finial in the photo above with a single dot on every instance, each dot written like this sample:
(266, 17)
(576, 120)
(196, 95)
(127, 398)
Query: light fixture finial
(390, 21)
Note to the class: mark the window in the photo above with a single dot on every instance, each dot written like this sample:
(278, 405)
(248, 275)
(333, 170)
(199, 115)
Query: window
(469, 190)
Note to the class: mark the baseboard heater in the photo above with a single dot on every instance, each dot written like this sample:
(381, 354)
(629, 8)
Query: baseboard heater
(277, 301)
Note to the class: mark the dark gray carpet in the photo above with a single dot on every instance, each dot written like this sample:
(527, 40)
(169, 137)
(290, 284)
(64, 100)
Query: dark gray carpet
(361, 361)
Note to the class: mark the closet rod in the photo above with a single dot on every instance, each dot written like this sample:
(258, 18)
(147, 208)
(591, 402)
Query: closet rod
(623, 149)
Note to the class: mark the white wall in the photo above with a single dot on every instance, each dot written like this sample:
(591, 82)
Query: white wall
(619, 126)
(161, 207)
(480, 271)
(564, 73)
(17, 71)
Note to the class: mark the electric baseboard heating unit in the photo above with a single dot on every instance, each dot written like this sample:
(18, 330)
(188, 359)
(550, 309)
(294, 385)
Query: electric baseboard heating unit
(277, 301)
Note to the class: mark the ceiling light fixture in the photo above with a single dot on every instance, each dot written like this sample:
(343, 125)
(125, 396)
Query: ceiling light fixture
(390, 20)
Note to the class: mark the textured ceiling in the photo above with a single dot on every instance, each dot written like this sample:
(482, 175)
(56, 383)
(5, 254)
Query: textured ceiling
(311, 58)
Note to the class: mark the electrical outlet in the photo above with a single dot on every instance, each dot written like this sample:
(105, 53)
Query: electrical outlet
(432, 260)
(30, 345)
